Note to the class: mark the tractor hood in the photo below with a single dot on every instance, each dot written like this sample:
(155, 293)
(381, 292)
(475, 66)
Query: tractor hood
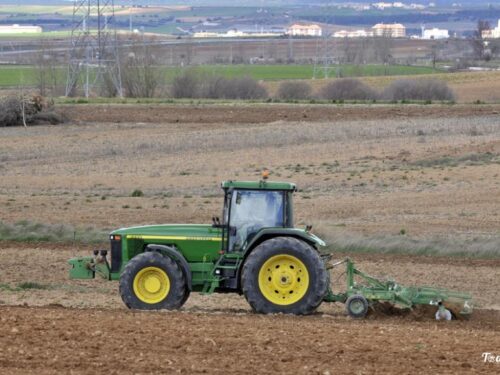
(205, 231)
(183, 231)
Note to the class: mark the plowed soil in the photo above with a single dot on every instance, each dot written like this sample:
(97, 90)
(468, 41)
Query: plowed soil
(58, 325)
(263, 113)
(52, 340)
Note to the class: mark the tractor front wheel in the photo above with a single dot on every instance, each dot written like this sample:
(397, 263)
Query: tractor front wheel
(284, 275)
(151, 281)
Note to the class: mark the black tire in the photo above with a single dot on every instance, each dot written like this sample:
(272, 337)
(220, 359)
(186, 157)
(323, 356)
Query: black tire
(318, 276)
(357, 306)
(177, 293)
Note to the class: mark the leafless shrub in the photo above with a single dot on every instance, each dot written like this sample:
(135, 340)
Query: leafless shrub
(245, 88)
(213, 87)
(18, 110)
(290, 90)
(425, 89)
(348, 89)
(192, 85)
(185, 85)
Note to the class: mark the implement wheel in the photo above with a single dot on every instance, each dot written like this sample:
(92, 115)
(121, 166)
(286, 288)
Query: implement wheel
(357, 306)
(284, 275)
(151, 281)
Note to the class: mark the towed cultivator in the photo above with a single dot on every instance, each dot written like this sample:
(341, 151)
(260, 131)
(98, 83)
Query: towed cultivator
(364, 291)
(255, 250)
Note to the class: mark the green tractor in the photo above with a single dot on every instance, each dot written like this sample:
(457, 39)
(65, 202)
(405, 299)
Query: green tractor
(255, 250)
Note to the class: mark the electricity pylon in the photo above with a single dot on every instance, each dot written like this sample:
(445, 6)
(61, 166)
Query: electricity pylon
(93, 63)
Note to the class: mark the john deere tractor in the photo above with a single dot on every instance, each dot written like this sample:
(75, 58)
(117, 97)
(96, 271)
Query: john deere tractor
(254, 250)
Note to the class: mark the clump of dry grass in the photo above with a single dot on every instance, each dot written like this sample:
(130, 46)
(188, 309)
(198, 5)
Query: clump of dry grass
(27, 231)
(347, 242)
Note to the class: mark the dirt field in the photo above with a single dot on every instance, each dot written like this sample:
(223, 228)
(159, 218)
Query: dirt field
(54, 340)
(83, 327)
(226, 115)
(377, 174)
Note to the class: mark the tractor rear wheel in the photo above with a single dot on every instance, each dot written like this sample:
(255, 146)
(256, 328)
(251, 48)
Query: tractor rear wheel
(284, 275)
(151, 281)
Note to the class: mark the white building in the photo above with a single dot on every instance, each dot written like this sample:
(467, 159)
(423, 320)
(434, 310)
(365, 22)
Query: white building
(395, 30)
(304, 30)
(382, 5)
(435, 33)
(353, 34)
(235, 33)
(493, 33)
(19, 29)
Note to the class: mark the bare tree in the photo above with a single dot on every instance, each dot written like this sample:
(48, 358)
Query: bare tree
(141, 75)
(46, 68)
(187, 55)
(348, 49)
(477, 42)
(382, 47)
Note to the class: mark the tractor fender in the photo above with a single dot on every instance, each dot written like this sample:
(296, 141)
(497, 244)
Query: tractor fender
(176, 255)
(267, 233)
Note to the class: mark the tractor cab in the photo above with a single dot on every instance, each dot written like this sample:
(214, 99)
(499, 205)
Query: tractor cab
(250, 206)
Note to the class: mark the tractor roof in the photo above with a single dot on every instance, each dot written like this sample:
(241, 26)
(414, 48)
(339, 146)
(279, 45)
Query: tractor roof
(258, 185)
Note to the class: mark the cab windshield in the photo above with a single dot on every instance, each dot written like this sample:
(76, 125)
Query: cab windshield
(252, 210)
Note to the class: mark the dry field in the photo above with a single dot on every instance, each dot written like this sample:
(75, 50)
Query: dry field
(430, 170)
(468, 87)
(385, 177)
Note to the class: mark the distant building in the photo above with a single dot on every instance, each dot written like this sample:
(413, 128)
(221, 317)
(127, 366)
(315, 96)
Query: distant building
(382, 5)
(234, 33)
(395, 30)
(304, 30)
(19, 29)
(493, 33)
(435, 33)
(353, 34)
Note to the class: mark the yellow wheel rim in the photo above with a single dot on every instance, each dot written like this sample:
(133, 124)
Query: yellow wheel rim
(283, 279)
(151, 285)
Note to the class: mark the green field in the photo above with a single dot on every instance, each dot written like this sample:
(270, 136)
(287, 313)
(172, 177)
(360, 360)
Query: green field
(13, 76)
(26, 75)
(36, 9)
(281, 72)
(38, 36)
